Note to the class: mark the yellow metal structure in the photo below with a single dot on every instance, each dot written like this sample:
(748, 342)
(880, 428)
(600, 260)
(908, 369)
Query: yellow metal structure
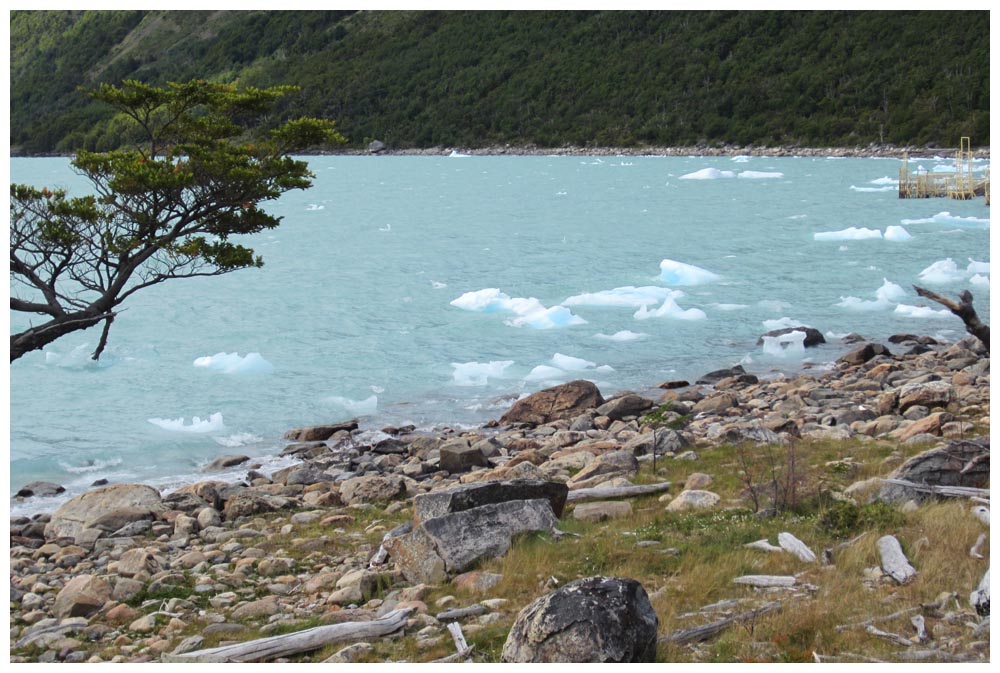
(959, 184)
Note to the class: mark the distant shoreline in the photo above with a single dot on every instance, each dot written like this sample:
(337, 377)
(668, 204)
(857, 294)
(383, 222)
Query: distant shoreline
(869, 152)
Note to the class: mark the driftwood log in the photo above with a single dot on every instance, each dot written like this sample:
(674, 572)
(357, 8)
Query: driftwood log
(964, 310)
(893, 560)
(265, 649)
(616, 492)
(794, 545)
(459, 613)
(706, 631)
(766, 580)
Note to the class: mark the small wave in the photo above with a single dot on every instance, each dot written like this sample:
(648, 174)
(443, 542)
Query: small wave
(239, 439)
(945, 217)
(91, 466)
(212, 424)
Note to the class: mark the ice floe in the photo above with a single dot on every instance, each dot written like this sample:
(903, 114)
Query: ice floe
(620, 296)
(623, 335)
(782, 323)
(673, 272)
(670, 309)
(547, 318)
(786, 346)
(562, 367)
(885, 298)
(921, 312)
(759, 175)
(364, 407)
(849, 234)
(941, 272)
(530, 311)
(478, 373)
(211, 424)
(708, 174)
(897, 233)
(945, 217)
(232, 363)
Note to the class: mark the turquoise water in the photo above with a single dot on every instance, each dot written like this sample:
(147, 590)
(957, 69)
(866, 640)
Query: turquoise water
(352, 314)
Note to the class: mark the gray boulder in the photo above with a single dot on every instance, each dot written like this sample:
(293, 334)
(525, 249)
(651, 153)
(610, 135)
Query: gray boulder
(626, 405)
(457, 456)
(566, 401)
(80, 513)
(813, 336)
(467, 496)
(447, 545)
(593, 620)
(39, 488)
(861, 355)
(957, 463)
(604, 468)
(320, 433)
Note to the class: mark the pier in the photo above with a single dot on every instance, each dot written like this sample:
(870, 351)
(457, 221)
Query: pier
(958, 184)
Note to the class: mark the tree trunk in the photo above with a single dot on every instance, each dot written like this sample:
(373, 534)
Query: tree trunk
(964, 310)
(39, 337)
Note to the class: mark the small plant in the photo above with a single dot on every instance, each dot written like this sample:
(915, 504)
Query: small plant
(843, 519)
(770, 476)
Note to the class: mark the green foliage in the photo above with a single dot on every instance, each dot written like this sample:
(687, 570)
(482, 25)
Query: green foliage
(200, 158)
(844, 519)
(552, 78)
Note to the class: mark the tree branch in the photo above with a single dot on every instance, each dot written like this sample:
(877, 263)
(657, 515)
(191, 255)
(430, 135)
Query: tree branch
(964, 310)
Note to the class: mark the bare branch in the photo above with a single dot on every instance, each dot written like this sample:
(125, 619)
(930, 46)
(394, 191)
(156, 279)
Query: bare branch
(964, 310)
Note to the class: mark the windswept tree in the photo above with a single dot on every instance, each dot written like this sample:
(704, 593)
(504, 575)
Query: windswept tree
(197, 163)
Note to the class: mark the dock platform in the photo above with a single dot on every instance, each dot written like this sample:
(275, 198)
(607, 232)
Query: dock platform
(958, 184)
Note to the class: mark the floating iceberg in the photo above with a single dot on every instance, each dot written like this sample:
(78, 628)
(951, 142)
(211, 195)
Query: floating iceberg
(670, 309)
(977, 267)
(921, 312)
(624, 335)
(941, 272)
(708, 174)
(887, 295)
(211, 424)
(478, 373)
(759, 175)
(679, 273)
(563, 367)
(896, 233)
(790, 345)
(571, 364)
(947, 218)
(232, 363)
(849, 234)
(531, 312)
(981, 281)
(782, 323)
(364, 407)
(620, 296)
(548, 318)
(546, 373)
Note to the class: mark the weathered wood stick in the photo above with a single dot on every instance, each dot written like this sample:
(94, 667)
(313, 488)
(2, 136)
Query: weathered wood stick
(458, 613)
(964, 310)
(795, 546)
(763, 545)
(920, 626)
(884, 618)
(766, 580)
(974, 552)
(265, 649)
(455, 629)
(899, 640)
(706, 631)
(894, 562)
(617, 492)
(828, 553)
(947, 491)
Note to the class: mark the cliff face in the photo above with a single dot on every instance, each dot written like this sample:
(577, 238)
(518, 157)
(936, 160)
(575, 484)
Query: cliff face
(420, 79)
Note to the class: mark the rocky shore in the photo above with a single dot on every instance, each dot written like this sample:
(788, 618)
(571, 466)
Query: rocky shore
(366, 531)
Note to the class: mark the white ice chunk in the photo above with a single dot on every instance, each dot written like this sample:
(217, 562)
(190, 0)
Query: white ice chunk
(708, 174)
(943, 271)
(888, 294)
(782, 323)
(729, 307)
(571, 364)
(232, 363)
(679, 273)
(670, 309)
(896, 233)
(886, 180)
(364, 407)
(546, 373)
(980, 280)
(945, 217)
(478, 373)
(548, 318)
(623, 335)
(238, 439)
(211, 424)
(921, 312)
(849, 234)
(977, 267)
(620, 296)
(759, 175)
(492, 300)
(790, 345)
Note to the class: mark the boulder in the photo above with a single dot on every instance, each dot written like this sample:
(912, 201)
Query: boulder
(320, 433)
(602, 510)
(625, 405)
(813, 336)
(224, 463)
(78, 514)
(928, 425)
(664, 440)
(693, 499)
(376, 146)
(957, 463)
(605, 467)
(566, 401)
(715, 404)
(443, 546)
(372, 488)
(467, 496)
(249, 503)
(457, 456)
(39, 488)
(861, 355)
(719, 374)
(592, 620)
(81, 597)
(928, 394)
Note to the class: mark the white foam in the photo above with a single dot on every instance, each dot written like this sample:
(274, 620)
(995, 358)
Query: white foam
(886, 180)
(849, 234)
(670, 309)
(365, 407)
(708, 174)
(478, 373)
(620, 296)
(786, 346)
(91, 466)
(438, 285)
(759, 175)
(238, 439)
(921, 312)
(678, 273)
(941, 272)
(741, 158)
(896, 233)
(211, 424)
(945, 217)
(315, 206)
(623, 335)
(570, 363)
(232, 363)
(874, 189)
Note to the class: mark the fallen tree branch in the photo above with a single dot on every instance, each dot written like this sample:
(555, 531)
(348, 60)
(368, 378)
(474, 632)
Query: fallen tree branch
(617, 492)
(265, 649)
(964, 310)
(946, 491)
(706, 631)
(892, 637)
(458, 613)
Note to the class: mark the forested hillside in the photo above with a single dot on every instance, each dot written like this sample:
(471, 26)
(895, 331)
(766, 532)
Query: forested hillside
(474, 79)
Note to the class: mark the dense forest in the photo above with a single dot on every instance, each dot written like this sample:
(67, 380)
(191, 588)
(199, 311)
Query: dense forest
(550, 78)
